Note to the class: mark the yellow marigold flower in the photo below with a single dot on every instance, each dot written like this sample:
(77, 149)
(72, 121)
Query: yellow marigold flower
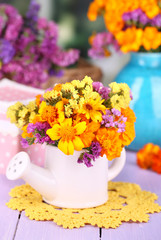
(68, 136)
(92, 109)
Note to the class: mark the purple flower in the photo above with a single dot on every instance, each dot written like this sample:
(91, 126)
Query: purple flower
(14, 22)
(143, 19)
(32, 15)
(136, 14)
(102, 39)
(86, 159)
(126, 16)
(31, 128)
(97, 86)
(121, 127)
(29, 47)
(57, 73)
(100, 44)
(39, 131)
(109, 120)
(96, 53)
(25, 39)
(103, 91)
(96, 149)
(24, 143)
(116, 112)
(7, 51)
(30, 74)
(63, 59)
(156, 21)
(39, 126)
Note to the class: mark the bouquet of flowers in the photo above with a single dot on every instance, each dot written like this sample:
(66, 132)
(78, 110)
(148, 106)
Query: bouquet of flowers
(132, 26)
(29, 52)
(79, 115)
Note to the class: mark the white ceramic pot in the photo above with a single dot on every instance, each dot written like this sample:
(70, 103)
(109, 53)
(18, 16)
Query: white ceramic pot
(64, 182)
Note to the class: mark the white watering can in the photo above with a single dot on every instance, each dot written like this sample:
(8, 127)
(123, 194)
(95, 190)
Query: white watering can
(64, 182)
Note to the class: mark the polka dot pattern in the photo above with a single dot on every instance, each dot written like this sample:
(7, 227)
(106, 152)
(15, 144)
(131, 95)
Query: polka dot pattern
(9, 146)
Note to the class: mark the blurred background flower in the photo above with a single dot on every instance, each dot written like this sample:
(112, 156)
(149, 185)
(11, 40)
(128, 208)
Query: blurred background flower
(29, 49)
(75, 29)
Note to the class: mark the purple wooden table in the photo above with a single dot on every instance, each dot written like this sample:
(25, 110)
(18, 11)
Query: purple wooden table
(18, 227)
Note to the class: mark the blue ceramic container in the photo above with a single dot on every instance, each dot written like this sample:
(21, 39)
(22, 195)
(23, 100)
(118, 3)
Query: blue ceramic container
(143, 75)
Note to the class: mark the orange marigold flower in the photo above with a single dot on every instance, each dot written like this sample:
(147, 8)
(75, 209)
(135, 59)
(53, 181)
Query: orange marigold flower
(156, 162)
(110, 142)
(129, 113)
(36, 119)
(25, 133)
(151, 38)
(114, 11)
(150, 7)
(80, 118)
(130, 39)
(146, 155)
(113, 26)
(95, 9)
(91, 38)
(88, 135)
(51, 114)
(58, 87)
(38, 99)
(128, 136)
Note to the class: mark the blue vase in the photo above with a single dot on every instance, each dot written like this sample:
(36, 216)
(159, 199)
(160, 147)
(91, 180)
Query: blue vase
(143, 75)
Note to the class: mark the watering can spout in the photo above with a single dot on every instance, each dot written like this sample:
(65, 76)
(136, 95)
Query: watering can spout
(41, 179)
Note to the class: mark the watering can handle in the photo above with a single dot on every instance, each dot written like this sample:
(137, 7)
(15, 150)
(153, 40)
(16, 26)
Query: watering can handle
(117, 165)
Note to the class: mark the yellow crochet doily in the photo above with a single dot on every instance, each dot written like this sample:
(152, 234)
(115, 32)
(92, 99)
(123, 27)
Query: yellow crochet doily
(127, 202)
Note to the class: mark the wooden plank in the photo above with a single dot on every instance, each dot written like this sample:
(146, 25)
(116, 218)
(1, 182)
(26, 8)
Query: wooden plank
(8, 217)
(43, 230)
(149, 181)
